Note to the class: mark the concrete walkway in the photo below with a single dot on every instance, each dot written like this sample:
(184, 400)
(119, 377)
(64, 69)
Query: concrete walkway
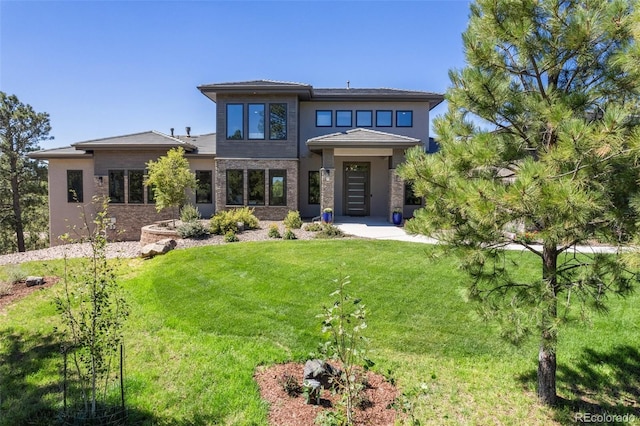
(380, 229)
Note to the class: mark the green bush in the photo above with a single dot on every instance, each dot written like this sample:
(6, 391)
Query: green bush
(289, 235)
(190, 213)
(14, 273)
(231, 237)
(227, 220)
(274, 232)
(192, 229)
(313, 227)
(329, 231)
(5, 288)
(293, 221)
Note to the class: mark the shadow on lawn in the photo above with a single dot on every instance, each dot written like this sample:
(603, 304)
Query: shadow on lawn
(600, 383)
(24, 359)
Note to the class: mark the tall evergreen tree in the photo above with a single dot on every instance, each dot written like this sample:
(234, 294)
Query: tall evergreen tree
(23, 189)
(541, 134)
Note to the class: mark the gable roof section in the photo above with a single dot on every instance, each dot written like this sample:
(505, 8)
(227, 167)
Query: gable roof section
(361, 138)
(144, 140)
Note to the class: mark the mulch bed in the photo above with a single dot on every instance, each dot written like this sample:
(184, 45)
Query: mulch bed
(20, 290)
(286, 410)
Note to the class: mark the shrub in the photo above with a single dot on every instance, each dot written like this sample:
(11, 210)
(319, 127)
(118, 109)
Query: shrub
(190, 213)
(313, 227)
(14, 273)
(330, 231)
(274, 232)
(192, 229)
(293, 220)
(289, 235)
(231, 237)
(290, 385)
(227, 220)
(5, 288)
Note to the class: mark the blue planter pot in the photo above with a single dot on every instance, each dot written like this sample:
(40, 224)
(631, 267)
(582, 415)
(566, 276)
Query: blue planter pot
(327, 217)
(397, 218)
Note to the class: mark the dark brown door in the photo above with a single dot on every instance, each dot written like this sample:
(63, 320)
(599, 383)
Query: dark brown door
(356, 189)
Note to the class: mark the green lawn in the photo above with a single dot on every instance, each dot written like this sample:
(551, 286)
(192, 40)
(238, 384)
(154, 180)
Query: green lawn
(203, 319)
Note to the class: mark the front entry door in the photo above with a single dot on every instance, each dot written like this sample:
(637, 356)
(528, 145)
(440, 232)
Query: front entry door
(356, 189)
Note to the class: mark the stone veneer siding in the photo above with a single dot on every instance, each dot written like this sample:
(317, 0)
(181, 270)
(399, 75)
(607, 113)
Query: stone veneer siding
(129, 218)
(396, 193)
(327, 190)
(265, 212)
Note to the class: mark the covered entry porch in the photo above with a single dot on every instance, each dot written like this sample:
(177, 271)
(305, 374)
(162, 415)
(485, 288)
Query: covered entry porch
(358, 174)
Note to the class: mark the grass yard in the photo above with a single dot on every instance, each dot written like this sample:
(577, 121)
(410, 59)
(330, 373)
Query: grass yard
(203, 319)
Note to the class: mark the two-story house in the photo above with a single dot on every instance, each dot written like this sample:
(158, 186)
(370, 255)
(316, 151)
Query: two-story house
(278, 146)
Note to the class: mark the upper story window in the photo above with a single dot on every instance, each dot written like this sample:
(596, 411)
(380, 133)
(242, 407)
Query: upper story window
(343, 119)
(404, 118)
(74, 186)
(277, 121)
(383, 118)
(235, 119)
(364, 118)
(256, 121)
(323, 118)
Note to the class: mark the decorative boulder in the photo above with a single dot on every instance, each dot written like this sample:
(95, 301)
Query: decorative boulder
(31, 281)
(321, 371)
(159, 247)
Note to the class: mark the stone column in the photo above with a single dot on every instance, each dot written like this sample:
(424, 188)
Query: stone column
(396, 193)
(327, 179)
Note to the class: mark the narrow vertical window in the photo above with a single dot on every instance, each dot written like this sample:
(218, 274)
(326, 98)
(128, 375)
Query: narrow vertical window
(235, 120)
(75, 194)
(314, 187)
(277, 187)
(204, 192)
(256, 121)
(278, 121)
(235, 187)
(136, 186)
(256, 187)
(116, 186)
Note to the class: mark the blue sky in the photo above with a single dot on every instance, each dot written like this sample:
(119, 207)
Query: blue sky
(108, 68)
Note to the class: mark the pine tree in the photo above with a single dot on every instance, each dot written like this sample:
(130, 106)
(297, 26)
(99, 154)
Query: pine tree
(541, 134)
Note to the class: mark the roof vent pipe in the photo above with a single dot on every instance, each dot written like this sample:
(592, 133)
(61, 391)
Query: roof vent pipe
(172, 132)
(188, 129)
(348, 84)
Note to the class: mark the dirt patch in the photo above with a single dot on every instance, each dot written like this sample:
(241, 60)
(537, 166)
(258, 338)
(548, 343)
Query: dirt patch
(286, 410)
(20, 290)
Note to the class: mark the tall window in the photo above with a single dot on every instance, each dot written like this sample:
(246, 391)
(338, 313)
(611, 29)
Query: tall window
(404, 118)
(383, 118)
(74, 186)
(256, 187)
(235, 187)
(364, 118)
(314, 187)
(323, 118)
(116, 186)
(204, 193)
(235, 119)
(256, 121)
(343, 119)
(277, 187)
(136, 186)
(277, 121)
